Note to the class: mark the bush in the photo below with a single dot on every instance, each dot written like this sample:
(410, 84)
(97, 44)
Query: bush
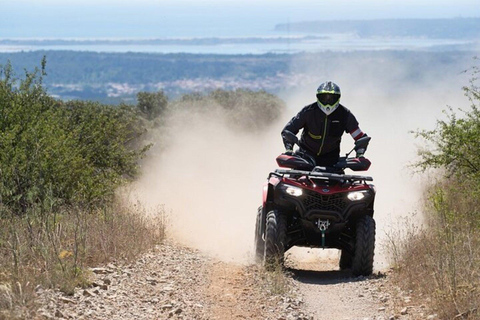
(151, 104)
(454, 144)
(60, 166)
(54, 153)
(442, 261)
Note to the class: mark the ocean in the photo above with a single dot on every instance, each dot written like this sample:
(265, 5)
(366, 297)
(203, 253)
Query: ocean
(255, 45)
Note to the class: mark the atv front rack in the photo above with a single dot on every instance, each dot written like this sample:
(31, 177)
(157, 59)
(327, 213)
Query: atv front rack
(316, 174)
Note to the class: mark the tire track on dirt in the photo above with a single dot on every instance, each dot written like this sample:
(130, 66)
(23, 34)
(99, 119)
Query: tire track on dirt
(331, 294)
(248, 292)
(229, 292)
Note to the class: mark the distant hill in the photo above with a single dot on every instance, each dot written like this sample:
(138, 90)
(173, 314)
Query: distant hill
(91, 75)
(119, 76)
(455, 28)
(209, 41)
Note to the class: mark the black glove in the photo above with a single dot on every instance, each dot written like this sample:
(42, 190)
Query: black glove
(289, 149)
(361, 145)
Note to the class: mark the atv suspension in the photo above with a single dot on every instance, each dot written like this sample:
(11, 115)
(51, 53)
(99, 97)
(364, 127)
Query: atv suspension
(323, 226)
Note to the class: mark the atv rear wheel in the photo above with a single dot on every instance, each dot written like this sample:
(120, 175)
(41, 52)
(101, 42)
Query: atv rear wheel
(275, 238)
(259, 242)
(362, 264)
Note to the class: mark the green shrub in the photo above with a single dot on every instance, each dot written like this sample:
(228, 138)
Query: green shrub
(152, 104)
(442, 260)
(455, 143)
(54, 153)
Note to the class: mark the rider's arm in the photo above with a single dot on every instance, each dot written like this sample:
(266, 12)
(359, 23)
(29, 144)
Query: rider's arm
(355, 132)
(294, 126)
(353, 128)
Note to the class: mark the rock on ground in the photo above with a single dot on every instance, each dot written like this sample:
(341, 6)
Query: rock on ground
(174, 282)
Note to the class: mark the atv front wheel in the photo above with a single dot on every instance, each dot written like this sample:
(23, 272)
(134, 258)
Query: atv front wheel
(275, 238)
(362, 264)
(345, 260)
(259, 242)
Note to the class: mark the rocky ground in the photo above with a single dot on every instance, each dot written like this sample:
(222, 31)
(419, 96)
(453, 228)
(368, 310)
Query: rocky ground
(329, 293)
(174, 282)
(359, 298)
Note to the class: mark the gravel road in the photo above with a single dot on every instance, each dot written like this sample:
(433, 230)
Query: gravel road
(175, 282)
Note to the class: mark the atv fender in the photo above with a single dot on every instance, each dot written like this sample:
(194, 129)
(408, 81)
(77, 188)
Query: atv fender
(268, 191)
(267, 199)
(265, 193)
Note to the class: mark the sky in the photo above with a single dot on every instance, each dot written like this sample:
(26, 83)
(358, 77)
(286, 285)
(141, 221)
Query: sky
(190, 18)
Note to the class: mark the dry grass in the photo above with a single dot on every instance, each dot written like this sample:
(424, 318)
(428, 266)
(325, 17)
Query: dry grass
(441, 262)
(55, 249)
(275, 280)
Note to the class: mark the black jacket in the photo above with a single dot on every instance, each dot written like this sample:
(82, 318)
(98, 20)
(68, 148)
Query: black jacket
(321, 134)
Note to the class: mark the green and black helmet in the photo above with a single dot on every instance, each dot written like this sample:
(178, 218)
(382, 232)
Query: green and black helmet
(328, 97)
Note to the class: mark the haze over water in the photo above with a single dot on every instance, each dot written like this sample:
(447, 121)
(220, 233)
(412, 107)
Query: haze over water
(109, 19)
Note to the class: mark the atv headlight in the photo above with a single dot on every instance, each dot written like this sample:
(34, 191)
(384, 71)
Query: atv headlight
(294, 191)
(356, 195)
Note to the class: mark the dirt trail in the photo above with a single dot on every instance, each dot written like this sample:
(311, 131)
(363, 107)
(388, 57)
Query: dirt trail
(228, 292)
(333, 294)
(245, 292)
(174, 282)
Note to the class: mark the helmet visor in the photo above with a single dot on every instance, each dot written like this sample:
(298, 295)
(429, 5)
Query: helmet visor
(328, 99)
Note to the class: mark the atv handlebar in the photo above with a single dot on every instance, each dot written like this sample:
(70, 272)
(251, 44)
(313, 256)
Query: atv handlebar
(313, 174)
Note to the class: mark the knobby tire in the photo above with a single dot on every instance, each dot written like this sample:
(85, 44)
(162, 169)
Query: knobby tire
(362, 264)
(275, 238)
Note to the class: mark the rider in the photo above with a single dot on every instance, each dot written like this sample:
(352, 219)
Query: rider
(323, 123)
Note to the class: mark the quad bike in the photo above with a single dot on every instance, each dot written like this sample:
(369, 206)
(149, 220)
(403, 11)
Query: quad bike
(320, 207)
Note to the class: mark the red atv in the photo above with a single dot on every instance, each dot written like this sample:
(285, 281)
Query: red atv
(321, 207)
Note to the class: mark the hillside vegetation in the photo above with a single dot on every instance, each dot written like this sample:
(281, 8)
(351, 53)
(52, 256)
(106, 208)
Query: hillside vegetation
(441, 262)
(60, 165)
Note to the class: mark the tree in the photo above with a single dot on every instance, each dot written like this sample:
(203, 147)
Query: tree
(152, 104)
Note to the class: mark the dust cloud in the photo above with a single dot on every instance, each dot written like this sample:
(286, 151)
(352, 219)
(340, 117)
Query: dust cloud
(210, 176)
(391, 96)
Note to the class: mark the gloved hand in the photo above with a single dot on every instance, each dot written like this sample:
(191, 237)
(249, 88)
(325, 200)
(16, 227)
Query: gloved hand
(289, 149)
